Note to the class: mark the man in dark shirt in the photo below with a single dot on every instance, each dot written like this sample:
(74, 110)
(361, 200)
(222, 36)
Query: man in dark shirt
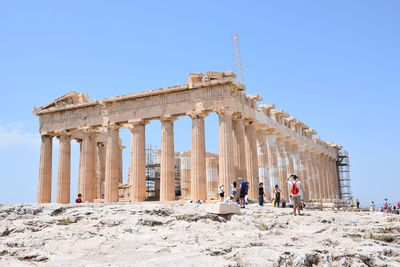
(261, 195)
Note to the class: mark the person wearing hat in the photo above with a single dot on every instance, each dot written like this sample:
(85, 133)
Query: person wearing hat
(295, 191)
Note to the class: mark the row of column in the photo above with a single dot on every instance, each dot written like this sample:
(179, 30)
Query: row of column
(257, 155)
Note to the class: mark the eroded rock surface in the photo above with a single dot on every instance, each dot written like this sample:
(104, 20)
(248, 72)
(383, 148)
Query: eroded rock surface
(149, 234)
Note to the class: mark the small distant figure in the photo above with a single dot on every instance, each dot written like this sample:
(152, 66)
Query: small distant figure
(233, 189)
(351, 202)
(372, 206)
(79, 199)
(242, 192)
(261, 194)
(277, 196)
(283, 203)
(230, 199)
(358, 204)
(246, 197)
(389, 208)
(398, 204)
(295, 191)
(221, 193)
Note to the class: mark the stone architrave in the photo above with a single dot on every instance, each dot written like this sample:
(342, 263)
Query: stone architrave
(64, 170)
(111, 172)
(100, 170)
(238, 146)
(198, 156)
(138, 161)
(88, 167)
(262, 153)
(167, 164)
(44, 185)
(250, 143)
(225, 148)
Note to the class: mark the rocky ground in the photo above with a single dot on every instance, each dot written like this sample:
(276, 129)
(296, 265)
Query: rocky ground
(150, 234)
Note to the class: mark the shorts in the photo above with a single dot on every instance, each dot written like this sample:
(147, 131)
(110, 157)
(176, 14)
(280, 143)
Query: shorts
(296, 201)
(222, 194)
(242, 194)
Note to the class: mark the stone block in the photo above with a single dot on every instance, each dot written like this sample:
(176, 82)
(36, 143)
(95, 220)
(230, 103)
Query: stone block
(224, 208)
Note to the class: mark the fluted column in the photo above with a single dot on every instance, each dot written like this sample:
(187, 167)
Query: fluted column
(282, 167)
(310, 174)
(167, 167)
(238, 147)
(212, 177)
(100, 170)
(88, 167)
(64, 170)
(320, 177)
(272, 161)
(138, 162)
(299, 159)
(262, 153)
(198, 153)
(111, 193)
(44, 184)
(334, 177)
(250, 143)
(120, 165)
(185, 175)
(225, 148)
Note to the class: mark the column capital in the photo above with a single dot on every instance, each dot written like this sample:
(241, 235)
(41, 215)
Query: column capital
(197, 114)
(168, 117)
(248, 121)
(237, 116)
(138, 122)
(225, 111)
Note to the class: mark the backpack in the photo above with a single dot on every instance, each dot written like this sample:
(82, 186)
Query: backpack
(295, 190)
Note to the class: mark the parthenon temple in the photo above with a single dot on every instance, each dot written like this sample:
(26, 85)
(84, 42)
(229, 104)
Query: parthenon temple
(255, 142)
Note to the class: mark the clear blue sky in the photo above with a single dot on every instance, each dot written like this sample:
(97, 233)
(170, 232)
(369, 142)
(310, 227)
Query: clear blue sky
(335, 65)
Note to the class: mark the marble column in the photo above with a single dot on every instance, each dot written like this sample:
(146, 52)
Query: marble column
(120, 165)
(282, 167)
(167, 165)
(225, 148)
(263, 170)
(44, 184)
(138, 162)
(238, 147)
(88, 167)
(185, 176)
(335, 178)
(64, 170)
(100, 170)
(111, 193)
(272, 161)
(299, 170)
(309, 173)
(320, 177)
(198, 155)
(212, 177)
(250, 143)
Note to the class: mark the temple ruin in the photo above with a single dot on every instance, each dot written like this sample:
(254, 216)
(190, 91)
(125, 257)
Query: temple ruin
(256, 142)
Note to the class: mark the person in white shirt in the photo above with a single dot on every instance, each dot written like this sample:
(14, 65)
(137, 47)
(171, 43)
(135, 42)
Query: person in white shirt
(295, 191)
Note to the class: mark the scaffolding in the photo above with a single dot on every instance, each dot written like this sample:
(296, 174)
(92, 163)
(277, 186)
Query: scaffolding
(343, 170)
(152, 173)
(153, 155)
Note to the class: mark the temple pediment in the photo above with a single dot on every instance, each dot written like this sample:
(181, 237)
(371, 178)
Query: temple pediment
(68, 99)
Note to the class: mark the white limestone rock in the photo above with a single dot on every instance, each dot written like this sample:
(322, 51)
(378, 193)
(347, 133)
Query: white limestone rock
(224, 208)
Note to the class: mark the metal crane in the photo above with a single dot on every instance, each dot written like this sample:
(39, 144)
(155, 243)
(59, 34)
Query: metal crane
(238, 60)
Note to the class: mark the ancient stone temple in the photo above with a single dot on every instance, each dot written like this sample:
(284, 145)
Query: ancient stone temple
(256, 142)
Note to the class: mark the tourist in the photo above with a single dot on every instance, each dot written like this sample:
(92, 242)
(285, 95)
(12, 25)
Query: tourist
(230, 199)
(389, 208)
(295, 192)
(246, 197)
(277, 192)
(261, 195)
(351, 202)
(358, 204)
(221, 193)
(234, 189)
(398, 204)
(372, 206)
(79, 199)
(283, 203)
(242, 193)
